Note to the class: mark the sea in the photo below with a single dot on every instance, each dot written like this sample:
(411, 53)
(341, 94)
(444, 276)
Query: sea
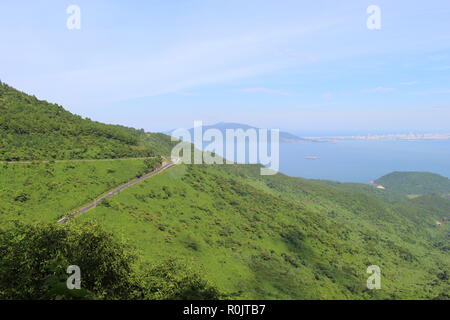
(363, 160)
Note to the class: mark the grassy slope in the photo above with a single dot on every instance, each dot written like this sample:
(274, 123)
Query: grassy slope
(45, 191)
(277, 237)
(399, 186)
(427, 211)
(257, 237)
(390, 195)
(34, 129)
(416, 183)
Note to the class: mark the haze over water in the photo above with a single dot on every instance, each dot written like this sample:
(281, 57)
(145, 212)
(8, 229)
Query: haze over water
(363, 161)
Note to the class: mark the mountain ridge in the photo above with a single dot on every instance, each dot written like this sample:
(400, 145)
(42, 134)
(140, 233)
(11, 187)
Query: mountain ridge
(285, 137)
(32, 129)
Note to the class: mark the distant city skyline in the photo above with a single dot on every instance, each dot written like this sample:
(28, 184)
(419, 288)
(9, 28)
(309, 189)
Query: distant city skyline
(301, 66)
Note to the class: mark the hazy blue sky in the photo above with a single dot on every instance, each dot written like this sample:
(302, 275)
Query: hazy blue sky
(310, 66)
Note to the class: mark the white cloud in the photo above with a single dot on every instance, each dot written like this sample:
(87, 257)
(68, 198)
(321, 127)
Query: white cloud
(267, 91)
(379, 90)
(186, 66)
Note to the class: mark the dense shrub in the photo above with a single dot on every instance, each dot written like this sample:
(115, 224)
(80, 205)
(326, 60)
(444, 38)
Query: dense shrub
(34, 261)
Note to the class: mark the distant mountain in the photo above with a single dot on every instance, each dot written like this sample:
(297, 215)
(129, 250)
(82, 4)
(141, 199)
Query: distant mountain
(223, 126)
(32, 129)
(415, 183)
(400, 186)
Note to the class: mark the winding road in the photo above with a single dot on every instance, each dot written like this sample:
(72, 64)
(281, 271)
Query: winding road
(97, 201)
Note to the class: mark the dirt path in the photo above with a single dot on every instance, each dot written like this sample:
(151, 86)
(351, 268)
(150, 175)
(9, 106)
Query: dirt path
(97, 201)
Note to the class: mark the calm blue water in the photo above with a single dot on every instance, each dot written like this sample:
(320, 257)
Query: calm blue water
(363, 161)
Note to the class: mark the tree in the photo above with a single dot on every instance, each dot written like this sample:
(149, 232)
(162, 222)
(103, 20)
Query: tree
(35, 259)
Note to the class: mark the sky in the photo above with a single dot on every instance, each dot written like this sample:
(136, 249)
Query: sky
(311, 67)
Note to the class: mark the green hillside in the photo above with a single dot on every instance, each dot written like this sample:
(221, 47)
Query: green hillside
(384, 195)
(33, 129)
(256, 241)
(399, 186)
(44, 192)
(198, 231)
(427, 206)
(416, 183)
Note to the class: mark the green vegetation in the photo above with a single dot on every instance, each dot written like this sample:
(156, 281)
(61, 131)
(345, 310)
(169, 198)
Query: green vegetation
(390, 195)
(46, 191)
(431, 211)
(399, 186)
(109, 269)
(416, 183)
(278, 237)
(31, 129)
(247, 235)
